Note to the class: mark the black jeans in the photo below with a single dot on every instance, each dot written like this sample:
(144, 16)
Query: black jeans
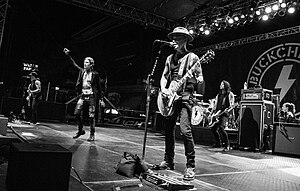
(34, 108)
(220, 128)
(183, 109)
(91, 102)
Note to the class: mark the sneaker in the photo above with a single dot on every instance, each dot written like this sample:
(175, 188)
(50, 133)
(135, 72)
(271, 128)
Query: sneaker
(226, 149)
(91, 138)
(163, 166)
(78, 134)
(189, 174)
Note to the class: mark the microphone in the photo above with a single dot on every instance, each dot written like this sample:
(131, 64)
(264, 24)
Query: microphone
(172, 44)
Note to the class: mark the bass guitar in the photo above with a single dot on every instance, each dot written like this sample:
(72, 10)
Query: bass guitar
(28, 97)
(165, 102)
(214, 117)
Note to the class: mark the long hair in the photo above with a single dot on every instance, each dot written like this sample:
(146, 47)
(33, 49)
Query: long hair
(227, 87)
(290, 107)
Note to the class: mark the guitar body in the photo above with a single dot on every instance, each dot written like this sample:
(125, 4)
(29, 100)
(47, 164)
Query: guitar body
(166, 103)
(213, 119)
(28, 98)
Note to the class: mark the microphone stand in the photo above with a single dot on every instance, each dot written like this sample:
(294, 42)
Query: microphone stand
(148, 99)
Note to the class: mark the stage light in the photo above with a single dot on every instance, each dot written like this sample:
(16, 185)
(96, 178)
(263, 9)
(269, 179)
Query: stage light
(236, 18)
(291, 10)
(265, 17)
(275, 7)
(280, 1)
(192, 31)
(230, 20)
(206, 31)
(268, 10)
(201, 28)
(283, 5)
(257, 12)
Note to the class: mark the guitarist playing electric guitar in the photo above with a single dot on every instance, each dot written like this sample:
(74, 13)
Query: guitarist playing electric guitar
(220, 114)
(176, 66)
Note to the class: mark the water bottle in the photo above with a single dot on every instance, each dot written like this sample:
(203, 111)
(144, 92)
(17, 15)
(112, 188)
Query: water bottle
(245, 85)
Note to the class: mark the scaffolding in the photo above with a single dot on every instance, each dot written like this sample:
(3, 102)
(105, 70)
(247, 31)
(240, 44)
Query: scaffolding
(3, 10)
(251, 39)
(122, 11)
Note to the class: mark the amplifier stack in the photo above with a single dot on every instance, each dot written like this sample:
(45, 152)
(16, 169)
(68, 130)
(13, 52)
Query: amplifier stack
(256, 117)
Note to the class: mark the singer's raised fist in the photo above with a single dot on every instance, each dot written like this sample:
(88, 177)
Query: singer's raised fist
(66, 51)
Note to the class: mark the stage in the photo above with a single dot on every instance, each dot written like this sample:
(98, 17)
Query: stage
(94, 162)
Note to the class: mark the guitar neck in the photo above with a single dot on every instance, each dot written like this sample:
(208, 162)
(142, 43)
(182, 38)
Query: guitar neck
(190, 71)
(228, 110)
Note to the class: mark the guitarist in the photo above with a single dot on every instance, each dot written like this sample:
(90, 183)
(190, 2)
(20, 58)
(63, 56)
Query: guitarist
(34, 95)
(175, 67)
(224, 100)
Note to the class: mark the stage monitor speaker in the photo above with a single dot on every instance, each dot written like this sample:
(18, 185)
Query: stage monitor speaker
(39, 167)
(3, 125)
(286, 138)
(254, 118)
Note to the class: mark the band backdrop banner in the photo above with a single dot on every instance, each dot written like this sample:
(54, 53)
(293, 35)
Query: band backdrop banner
(274, 64)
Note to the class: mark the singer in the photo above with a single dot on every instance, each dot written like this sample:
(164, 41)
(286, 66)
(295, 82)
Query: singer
(176, 66)
(88, 85)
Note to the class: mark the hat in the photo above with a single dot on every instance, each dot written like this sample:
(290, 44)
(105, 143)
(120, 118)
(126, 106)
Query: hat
(33, 74)
(181, 31)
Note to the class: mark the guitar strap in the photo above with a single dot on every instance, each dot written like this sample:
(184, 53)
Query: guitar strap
(185, 69)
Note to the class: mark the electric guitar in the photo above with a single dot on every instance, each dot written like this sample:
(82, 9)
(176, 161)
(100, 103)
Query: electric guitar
(165, 102)
(214, 117)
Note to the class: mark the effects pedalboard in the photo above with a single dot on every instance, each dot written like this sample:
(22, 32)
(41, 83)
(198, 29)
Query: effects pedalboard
(167, 182)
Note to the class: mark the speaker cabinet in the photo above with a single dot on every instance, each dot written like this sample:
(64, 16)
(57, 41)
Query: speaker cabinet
(286, 138)
(255, 117)
(39, 167)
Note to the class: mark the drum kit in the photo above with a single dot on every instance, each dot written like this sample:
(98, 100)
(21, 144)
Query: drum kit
(200, 110)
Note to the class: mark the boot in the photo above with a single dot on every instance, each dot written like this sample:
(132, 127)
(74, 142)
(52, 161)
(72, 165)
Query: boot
(92, 133)
(91, 138)
(79, 133)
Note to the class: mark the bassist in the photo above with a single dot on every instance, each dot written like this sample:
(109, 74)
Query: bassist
(224, 100)
(175, 67)
(34, 95)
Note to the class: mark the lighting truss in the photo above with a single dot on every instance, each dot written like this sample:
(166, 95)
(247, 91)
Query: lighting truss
(3, 10)
(236, 13)
(251, 39)
(122, 11)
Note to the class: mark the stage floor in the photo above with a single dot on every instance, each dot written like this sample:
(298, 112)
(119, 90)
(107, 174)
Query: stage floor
(215, 170)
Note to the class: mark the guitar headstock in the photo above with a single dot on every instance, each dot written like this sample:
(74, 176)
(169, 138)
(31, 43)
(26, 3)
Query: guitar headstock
(208, 56)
